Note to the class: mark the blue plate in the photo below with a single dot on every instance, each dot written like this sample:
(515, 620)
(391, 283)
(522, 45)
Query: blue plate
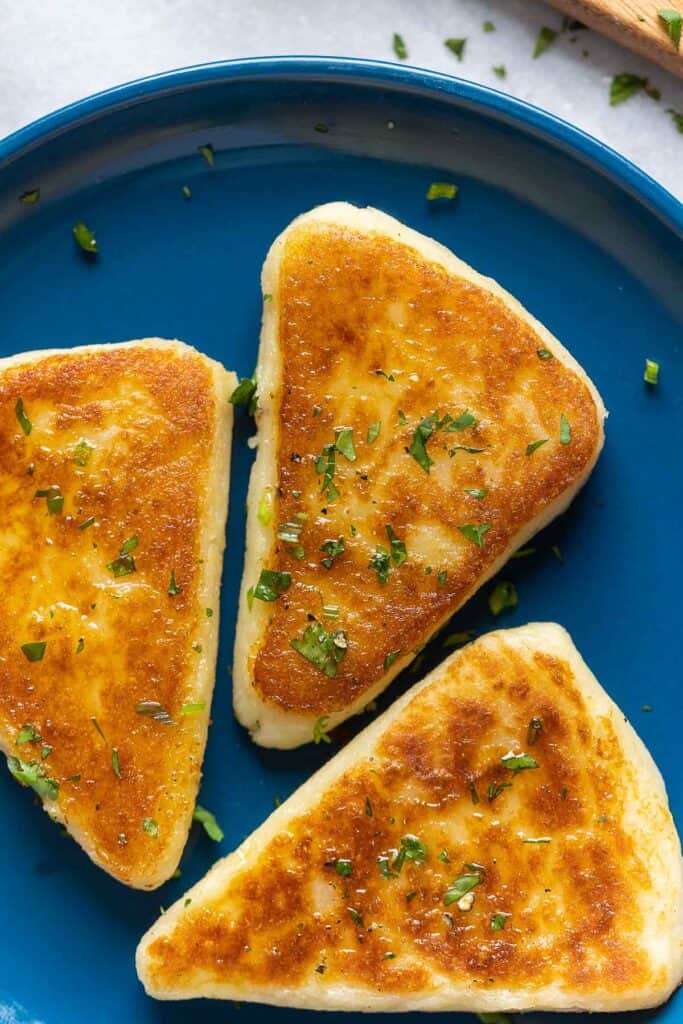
(588, 243)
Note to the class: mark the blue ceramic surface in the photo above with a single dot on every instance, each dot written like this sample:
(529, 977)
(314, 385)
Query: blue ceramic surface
(590, 245)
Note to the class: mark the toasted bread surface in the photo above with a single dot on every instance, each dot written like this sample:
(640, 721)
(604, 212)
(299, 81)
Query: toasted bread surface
(114, 483)
(350, 896)
(416, 424)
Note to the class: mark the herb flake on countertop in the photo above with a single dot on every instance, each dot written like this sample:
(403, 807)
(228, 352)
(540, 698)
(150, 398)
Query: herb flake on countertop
(456, 46)
(500, 70)
(546, 37)
(400, 48)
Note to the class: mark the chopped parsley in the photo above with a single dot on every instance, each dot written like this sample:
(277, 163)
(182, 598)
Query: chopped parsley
(624, 86)
(517, 762)
(28, 734)
(498, 922)
(475, 532)
(271, 584)
(488, 26)
(34, 651)
(325, 466)
(24, 421)
(442, 190)
(456, 46)
(125, 563)
(343, 868)
(672, 22)
(355, 916)
(324, 650)
(82, 452)
(320, 734)
(384, 867)
(207, 152)
(444, 857)
(535, 445)
(565, 430)
(332, 549)
(173, 587)
(400, 48)
(54, 499)
(503, 595)
(390, 659)
(115, 763)
(343, 442)
(150, 827)
(208, 820)
(381, 563)
(153, 709)
(290, 534)
(398, 548)
(85, 238)
(651, 372)
(534, 730)
(417, 448)
(546, 37)
(442, 577)
(31, 773)
(245, 394)
(31, 197)
(495, 789)
(373, 431)
(500, 70)
(544, 353)
(460, 887)
(411, 848)
(86, 524)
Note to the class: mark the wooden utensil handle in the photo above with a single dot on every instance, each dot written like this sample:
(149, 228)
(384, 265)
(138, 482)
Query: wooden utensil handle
(632, 23)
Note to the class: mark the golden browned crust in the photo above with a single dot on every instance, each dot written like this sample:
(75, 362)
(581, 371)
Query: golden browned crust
(353, 303)
(588, 918)
(154, 416)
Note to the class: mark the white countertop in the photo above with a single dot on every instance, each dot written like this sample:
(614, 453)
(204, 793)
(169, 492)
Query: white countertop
(58, 51)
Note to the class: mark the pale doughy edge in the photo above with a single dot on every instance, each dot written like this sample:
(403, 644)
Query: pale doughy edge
(212, 545)
(658, 847)
(269, 726)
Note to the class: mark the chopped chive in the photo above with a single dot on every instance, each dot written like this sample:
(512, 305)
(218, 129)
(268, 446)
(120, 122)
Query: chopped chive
(207, 152)
(271, 584)
(85, 238)
(442, 190)
(208, 820)
(535, 445)
(343, 868)
(54, 499)
(173, 587)
(544, 353)
(24, 421)
(87, 523)
(153, 709)
(150, 827)
(320, 734)
(115, 763)
(192, 709)
(390, 659)
(651, 373)
(565, 430)
(400, 48)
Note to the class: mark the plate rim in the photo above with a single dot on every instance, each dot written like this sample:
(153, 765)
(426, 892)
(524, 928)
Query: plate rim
(525, 116)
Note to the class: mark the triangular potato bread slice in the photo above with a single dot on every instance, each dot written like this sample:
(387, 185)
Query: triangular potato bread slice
(114, 480)
(498, 840)
(415, 426)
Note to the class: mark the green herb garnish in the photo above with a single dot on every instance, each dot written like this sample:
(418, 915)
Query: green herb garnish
(503, 595)
(87, 523)
(150, 827)
(115, 763)
(535, 445)
(475, 532)
(343, 868)
(488, 26)
(325, 466)
(344, 443)
(245, 394)
(411, 848)
(208, 820)
(544, 353)
(28, 734)
(207, 152)
(355, 916)
(498, 922)
(565, 430)
(500, 70)
(31, 197)
(494, 1018)
(54, 499)
(494, 789)
(546, 37)
(676, 118)
(462, 637)
(373, 431)
(173, 588)
(517, 762)
(400, 48)
(390, 659)
(31, 773)
(381, 563)
(24, 421)
(125, 563)
(153, 709)
(290, 534)
(34, 651)
(324, 650)
(271, 584)
(187, 193)
(673, 22)
(460, 887)
(651, 372)
(473, 793)
(320, 734)
(456, 46)
(442, 190)
(624, 86)
(192, 709)
(417, 448)
(85, 238)
(333, 549)
(83, 452)
(80, 646)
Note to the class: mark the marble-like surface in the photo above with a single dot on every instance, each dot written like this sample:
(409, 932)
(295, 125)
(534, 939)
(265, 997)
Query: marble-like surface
(56, 51)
